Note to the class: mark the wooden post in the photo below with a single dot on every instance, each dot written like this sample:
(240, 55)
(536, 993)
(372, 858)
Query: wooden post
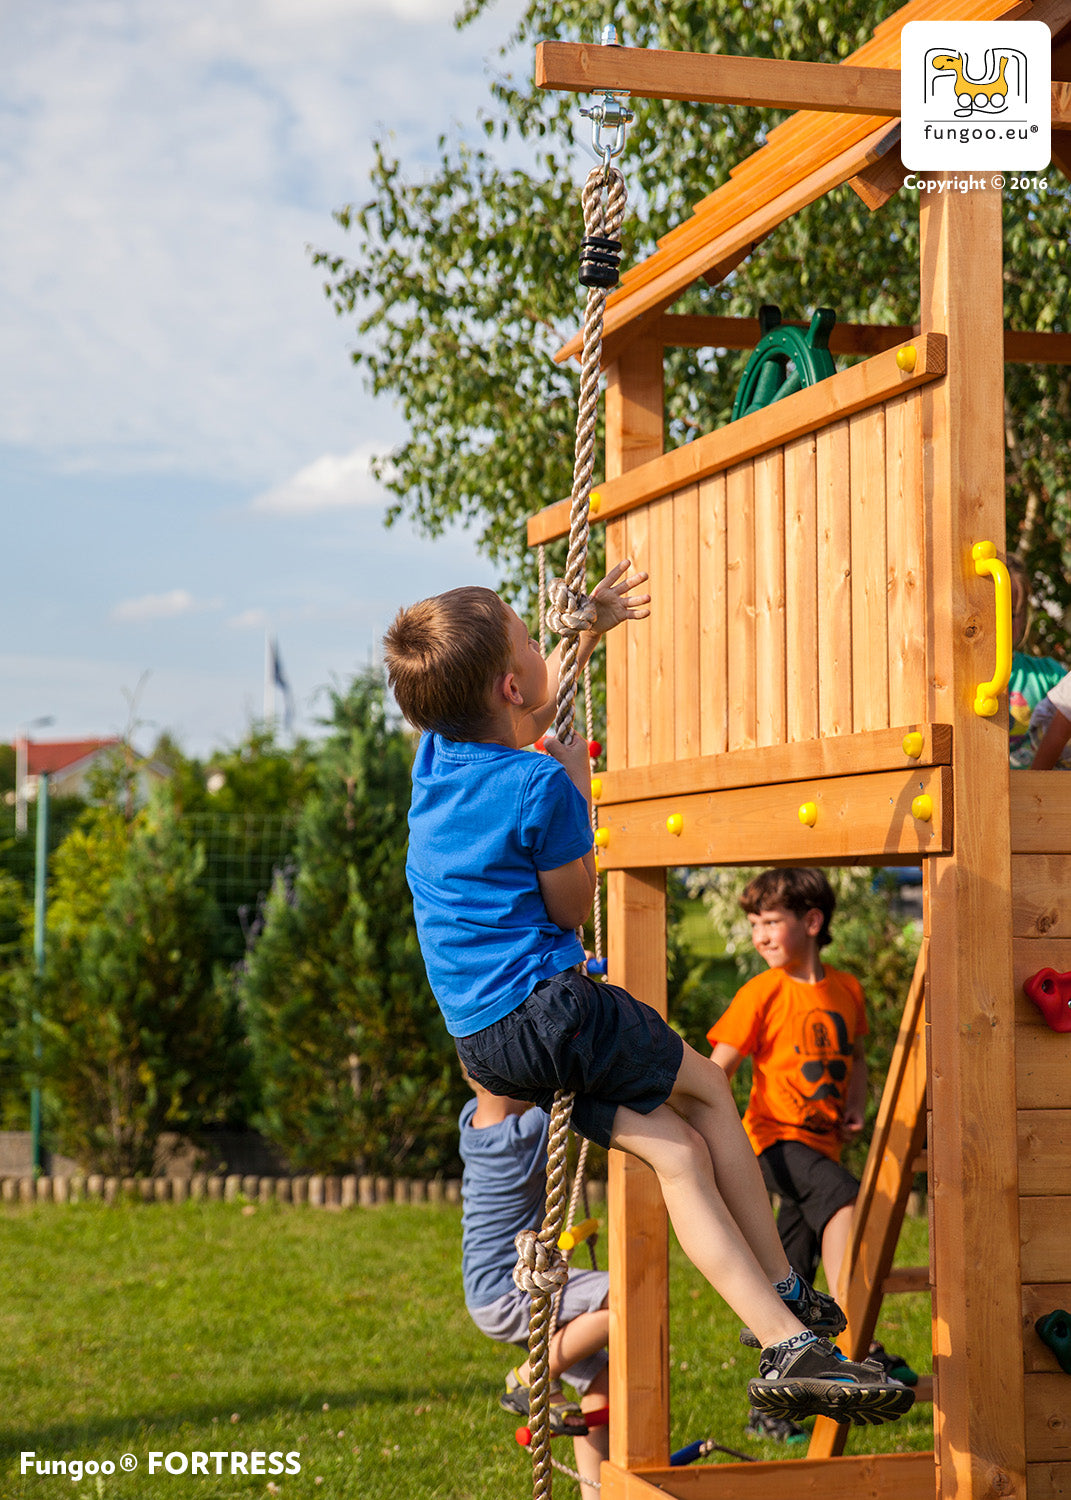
(636, 944)
(978, 1357)
(634, 425)
(638, 1226)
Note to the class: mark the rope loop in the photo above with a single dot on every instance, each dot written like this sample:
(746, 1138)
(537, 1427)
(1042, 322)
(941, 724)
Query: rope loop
(541, 1269)
(569, 612)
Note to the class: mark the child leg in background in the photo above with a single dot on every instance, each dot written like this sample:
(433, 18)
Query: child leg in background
(577, 1354)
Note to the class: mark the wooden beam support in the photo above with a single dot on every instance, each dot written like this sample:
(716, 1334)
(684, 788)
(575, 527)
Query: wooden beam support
(857, 820)
(817, 406)
(881, 181)
(717, 78)
(973, 1148)
(707, 331)
(807, 760)
(874, 1476)
(638, 1231)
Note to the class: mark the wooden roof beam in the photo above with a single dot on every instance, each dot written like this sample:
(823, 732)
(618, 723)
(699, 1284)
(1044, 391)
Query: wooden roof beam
(708, 331)
(716, 78)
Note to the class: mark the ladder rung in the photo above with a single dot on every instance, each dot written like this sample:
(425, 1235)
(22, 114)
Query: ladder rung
(907, 1279)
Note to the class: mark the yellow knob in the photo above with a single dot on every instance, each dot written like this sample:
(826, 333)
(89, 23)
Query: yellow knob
(594, 501)
(675, 824)
(602, 837)
(809, 814)
(922, 808)
(598, 865)
(913, 744)
(907, 358)
(596, 787)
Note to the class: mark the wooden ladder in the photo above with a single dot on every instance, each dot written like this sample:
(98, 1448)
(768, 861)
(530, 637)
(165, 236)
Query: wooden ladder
(899, 1136)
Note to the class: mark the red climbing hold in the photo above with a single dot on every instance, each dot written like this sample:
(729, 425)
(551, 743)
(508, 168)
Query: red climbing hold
(1051, 993)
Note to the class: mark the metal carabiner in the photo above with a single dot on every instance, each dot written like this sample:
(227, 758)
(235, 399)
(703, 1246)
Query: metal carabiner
(609, 113)
(612, 112)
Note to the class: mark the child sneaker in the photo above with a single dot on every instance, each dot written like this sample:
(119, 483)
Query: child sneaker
(816, 1311)
(813, 1378)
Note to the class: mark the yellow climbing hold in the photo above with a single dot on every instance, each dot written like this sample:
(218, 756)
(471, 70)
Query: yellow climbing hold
(675, 824)
(922, 808)
(907, 358)
(913, 744)
(809, 814)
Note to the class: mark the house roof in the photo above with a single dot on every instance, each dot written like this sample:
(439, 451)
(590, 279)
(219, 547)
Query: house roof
(803, 158)
(52, 756)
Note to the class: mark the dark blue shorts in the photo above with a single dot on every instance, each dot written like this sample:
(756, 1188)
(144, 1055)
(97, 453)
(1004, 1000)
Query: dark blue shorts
(574, 1034)
(812, 1188)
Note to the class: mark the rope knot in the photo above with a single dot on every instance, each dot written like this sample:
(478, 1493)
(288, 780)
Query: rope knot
(569, 612)
(541, 1269)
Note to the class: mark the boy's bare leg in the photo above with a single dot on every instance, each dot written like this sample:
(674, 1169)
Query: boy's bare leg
(835, 1245)
(589, 1452)
(682, 1159)
(702, 1097)
(583, 1335)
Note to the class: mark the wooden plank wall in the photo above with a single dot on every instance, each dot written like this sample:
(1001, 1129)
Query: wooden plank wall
(1041, 894)
(787, 596)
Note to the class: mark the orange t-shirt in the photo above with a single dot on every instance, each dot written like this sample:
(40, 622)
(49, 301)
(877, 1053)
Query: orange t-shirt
(800, 1038)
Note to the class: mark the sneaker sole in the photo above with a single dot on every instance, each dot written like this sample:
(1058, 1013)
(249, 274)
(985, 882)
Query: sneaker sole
(863, 1405)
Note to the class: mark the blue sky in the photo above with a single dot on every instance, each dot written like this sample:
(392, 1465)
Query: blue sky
(184, 442)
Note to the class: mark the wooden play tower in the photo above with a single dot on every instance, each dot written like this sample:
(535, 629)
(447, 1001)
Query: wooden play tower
(804, 692)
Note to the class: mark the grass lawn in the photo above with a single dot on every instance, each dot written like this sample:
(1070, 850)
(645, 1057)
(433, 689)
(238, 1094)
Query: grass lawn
(341, 1337)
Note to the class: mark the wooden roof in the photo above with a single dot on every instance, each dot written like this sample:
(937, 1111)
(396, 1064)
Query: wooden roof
(803, 158)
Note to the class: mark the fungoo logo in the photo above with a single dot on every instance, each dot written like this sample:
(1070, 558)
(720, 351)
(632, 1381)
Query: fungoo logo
(975, 95)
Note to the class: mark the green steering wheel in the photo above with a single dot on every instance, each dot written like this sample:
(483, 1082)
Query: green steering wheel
(784, 360)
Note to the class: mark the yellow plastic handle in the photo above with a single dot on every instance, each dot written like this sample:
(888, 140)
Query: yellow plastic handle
(570, 1238)
(987, 693)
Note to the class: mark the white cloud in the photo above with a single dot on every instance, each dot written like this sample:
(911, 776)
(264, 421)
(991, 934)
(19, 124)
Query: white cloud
(336, 481)
(168, 162)
(167, 606)
(250, 619)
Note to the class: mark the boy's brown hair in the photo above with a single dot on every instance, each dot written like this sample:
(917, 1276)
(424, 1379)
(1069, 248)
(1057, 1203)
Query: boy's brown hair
(443, 655)
(798, 889)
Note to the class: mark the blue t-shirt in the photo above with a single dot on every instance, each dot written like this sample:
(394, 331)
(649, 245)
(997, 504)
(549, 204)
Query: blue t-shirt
(503, 1188)
(484, 820)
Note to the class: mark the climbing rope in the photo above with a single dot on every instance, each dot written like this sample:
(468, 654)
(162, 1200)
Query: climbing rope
(542, 1269)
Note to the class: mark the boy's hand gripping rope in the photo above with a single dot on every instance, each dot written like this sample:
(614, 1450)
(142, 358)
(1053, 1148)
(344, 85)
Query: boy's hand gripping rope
(542, 1268)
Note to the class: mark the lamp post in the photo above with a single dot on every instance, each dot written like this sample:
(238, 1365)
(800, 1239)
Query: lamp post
(22, 756)
(40, 907)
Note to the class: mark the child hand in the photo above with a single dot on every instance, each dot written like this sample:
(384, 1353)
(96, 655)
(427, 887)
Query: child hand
(574, 757)
(613, 603)
(851, 1125)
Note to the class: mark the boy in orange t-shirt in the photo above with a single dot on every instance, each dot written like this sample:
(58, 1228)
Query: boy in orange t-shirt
(803, 1025)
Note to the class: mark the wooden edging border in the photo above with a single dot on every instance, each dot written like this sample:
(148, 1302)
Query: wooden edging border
(316, 1190)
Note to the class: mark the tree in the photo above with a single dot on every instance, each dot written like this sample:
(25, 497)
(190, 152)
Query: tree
(243, 807)
(464, 283)
(349, 1051)
(134, 1039)
(15, 927)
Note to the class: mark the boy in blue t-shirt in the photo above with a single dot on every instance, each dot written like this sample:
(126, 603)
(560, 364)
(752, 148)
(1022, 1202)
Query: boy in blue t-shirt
(502, 872)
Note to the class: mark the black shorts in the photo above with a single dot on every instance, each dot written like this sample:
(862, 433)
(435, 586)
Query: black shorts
(574, 1034)
(812, 1188)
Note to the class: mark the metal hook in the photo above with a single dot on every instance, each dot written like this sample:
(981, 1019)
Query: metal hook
(611, 112)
